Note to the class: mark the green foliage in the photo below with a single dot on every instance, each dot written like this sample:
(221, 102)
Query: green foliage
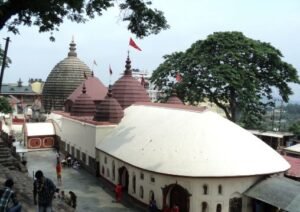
(48, 15)
(295, 128)
(5, 106)
(8, 61)
(230, 70)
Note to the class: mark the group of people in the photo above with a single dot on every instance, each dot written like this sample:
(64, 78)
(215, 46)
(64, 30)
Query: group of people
(70, 199)
(68, 161)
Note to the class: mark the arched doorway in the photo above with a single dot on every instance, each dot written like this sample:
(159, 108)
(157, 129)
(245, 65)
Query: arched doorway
(175, 194)
(235, 203)
(123, 177)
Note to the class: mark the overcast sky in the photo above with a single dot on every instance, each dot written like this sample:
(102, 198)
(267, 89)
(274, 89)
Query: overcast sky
(105, 39)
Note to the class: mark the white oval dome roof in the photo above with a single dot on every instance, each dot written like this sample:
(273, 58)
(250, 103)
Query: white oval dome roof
(189, 143)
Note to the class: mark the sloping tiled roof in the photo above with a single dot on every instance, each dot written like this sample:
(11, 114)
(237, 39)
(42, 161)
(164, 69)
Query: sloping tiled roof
(173, 99)
(15, 89)
(294, 171)
(97, 91)
(277, 191)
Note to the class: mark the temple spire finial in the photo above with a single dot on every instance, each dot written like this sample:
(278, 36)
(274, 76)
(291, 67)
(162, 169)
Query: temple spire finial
(128, 66)
(72, 52)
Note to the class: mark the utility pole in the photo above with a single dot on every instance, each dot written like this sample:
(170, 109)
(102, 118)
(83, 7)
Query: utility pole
(4, 62)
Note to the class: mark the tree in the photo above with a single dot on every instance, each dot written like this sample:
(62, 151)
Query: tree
(8, 60)
(5, 105)
(295, 128)
(48, 15)
(234, 72)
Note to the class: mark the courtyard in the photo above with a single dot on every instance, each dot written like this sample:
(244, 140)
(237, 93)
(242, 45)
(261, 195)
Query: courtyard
(92, 194)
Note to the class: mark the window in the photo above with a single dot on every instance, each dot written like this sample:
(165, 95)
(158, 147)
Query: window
(219, 208)
(204, 207)
(113, 170)
(105, 160)
(133, 183)
(103, 170)
(151, 196)
(205, 189)
(84, 157)
(141, 192)
(107, 172)
(152, 179)
(220, 189)
(142, 176)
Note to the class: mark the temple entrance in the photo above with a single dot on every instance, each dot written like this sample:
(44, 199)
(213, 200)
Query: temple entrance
(123, 178)
(173, 195)
(235, 203)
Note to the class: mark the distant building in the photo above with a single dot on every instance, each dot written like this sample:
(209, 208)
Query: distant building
(24, 93)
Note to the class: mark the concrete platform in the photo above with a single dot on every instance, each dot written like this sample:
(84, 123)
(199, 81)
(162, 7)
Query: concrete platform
(92, 194)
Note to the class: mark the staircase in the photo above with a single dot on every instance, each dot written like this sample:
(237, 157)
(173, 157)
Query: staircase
(6, 158)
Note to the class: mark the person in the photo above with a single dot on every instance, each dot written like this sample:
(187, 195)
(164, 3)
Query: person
(44, 189)
(8, 200)
(73, 199)
(118, 192)
(58, 172)
(69, 160)
(175, 208)
(152, 206)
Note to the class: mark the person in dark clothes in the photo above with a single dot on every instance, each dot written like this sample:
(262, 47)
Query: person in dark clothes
(43, 189)
(8, 200)
(73, 199)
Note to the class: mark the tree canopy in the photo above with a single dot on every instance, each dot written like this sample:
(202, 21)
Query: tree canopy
(236, 73)
(5, 106)
(48, 15)
(8, 60)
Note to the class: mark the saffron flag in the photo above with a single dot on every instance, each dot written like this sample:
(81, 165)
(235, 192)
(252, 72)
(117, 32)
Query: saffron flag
(178, 77)
(110, 71)
(133, 44)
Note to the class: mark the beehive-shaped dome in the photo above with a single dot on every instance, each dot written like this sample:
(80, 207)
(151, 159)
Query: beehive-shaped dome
(128, 90)
(83, 105)
(64, 78)
(173, 99)
(109, 110)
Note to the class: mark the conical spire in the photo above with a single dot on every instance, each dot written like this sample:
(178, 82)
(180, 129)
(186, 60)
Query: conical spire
(72, 52)
(128, 67)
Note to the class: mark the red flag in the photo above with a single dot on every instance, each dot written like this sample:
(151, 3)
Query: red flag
(178, 77)
(133, 44)
(142, 81)
(110, 71)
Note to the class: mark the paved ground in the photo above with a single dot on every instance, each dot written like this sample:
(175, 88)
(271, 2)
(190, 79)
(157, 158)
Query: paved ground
(92, 194)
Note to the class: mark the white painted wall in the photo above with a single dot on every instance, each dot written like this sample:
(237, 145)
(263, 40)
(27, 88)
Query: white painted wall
(82, 135)
(230, 186)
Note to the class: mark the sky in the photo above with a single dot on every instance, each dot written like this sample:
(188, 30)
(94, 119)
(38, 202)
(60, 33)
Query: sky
(105, 39)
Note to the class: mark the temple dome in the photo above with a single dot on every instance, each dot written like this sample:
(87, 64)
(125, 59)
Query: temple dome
(83, 105)
(64, 78)
(128, 90)
(109, 110)
(97, 91)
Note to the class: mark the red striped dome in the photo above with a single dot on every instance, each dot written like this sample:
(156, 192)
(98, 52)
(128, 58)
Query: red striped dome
(128, 90)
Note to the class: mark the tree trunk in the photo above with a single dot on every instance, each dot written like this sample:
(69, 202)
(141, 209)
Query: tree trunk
(232, 105)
